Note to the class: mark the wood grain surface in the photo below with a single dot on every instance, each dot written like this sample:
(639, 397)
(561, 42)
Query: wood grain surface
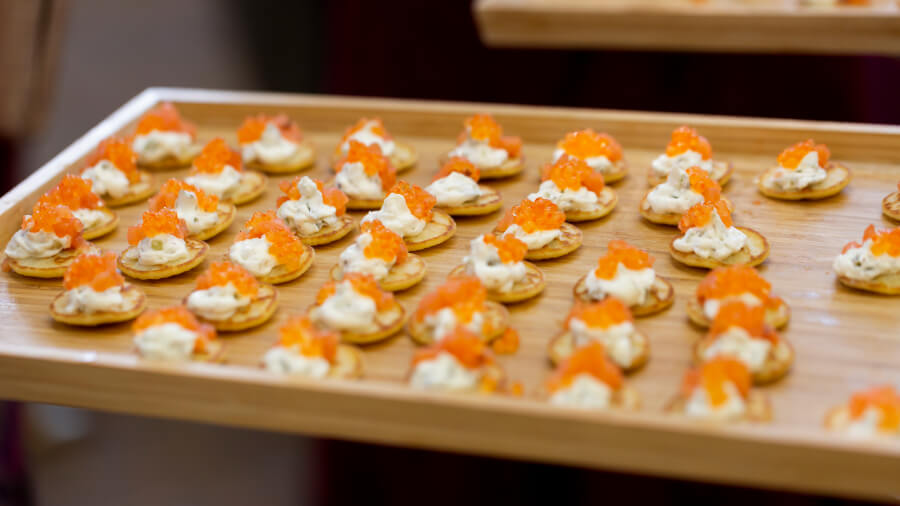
(844, 340)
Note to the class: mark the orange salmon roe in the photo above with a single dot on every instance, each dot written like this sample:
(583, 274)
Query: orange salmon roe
(119, 153)
(253, 127)
(791, 157)
(363, 284)
(725, 282)
(287, 248)
(419, 201)
(685, 139)
(300, 332)
(590, 359)
(883, 398)
(533, 215)
(222, 273)
(601, 315)
(468, 349)
(373, 162)
(461, 165)
(385, 244)
(704, 185)
(377, 128)
(483, 128)
(465, 295)
(620, 252)
(215, 156)
(73, 192)
(168, 194)
(883, 241)
(97, 271)
(509, 248)
(330, 196)
(713, 375)
(700, 214)
(178, 315)
(165, 118)
(508, 343)
(57, 220)
(750, 318)
(570, 173)
(154, 223)
(590, 144)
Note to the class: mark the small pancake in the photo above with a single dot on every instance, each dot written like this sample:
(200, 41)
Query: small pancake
(135, 304)
(386, 324)
(404, 157)
(531, 286)
(778, 361)
(776, 317)
(837, 178)
(721, 173)
(364, 204)
(667, 218)
(329, 234)
(439, 229)
(348, 363)
(890, 206)
(401, 276)
(303, 159)
(626, 397)
(617, 173)
(138, 192)
(48, 268)
(562, 347)
(255, 314)
(758, 408)
(488, 202)
(108, 224)
(569, 240)
(252, 185)
(886, 284)
(171, 162)
(226, 212)
(495, 314)
(509, 168)
(743, 256)
(606, 202)
(660, 296)
(280, 274)
(197, 251)
(494, 371)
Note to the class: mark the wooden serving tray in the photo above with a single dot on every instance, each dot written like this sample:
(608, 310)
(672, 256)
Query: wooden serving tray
(844, 340)
(769, 26)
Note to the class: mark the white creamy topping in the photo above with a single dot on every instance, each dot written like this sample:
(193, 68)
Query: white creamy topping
(309, 213)
(196, 219)
(253, 255)
(629, 286)
(711, 306)
(444, 372)
(353, 259)
(866, 425)
(289, 361)
(534, 240)
(807, 173)
(89, 217)
(586, 392)
(454, 189)
(598, 163)
(663, 164)
(674, 195)
(617, 339)
(444, 321)
(861, 263)
(156, 145)
(162, 249)
(698, 404)
(353, 180)
(713, 240)
(346, 310)
(84, 300)
(367, 137)
(271, 148)
(484, 262)
(481, 154)
(218, 302)
(395, 215)
(222, 185)
(737, 343)
(169, 341)
(42, 244)
(581, 199)
(106, 179)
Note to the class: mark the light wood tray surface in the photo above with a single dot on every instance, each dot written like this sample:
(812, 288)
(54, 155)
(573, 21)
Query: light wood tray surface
(844, 340)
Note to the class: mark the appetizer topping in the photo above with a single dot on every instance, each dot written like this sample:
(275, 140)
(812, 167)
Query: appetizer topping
(330, 196)
(608, 322)
(171, 333)
(369, 132)
(600, 315)
(45, 232)
(497, 262)
(701, 214)
(222, 290)
(685, 139)
(72, 192)
(717, 388)
(707, 232)
(419, 202)
(507, 344)
(266, 232)
(509, 249)
(878, 254)
(625, 272)
(366, 163)
(483, 143)
(194, 206)
(269, 140)
(456, 183)
(362, 284)
(224, 273)
(406, 210)
(589, 145)
(791, 157)
(112, 168)
(621, 253)
(884, 401)
(738, 282)
(154, 223)
(883, 241)
(302, 349)
(376, 250)
(308, 206)
(588, 360)
(459, 301)
(702, 184)
(799, 166)
(164, 118)
(453, 363)
(158, 239)
(93, 284)
(683, 189)
(351, 304)
(252, 128)
(215, 157)
(535, 222)
(570, 184)
(458, 164)
(741, 332)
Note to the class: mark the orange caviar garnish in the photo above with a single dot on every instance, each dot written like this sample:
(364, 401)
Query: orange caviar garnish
(700, 214)
(883, 241)
(461, 165)
(468, 349)
(704, 185)
(215, 156)
(509, 248)
(373, 125)
(508, 343)
(119, 153)
(791, 157)
(883, 398)
(464, 295)
(164, 118)
(685, 139)
(601, 315)
(180, 316)
(419, 201)
(750, 318)
(287, 248)
(373, 162)
(483, 128)
(330, 196)
(253, 127)
(73, 192)
(57, 220)
(95, 270)
(590, 359)
(222, 273)
(590, 144)
(154, 223)
(620, 252)
(712, 375)
(570, 173)
(516, 389)
(363, 284)
(735, 280)
(385, 243)
(300, 332)
(533, 215)
(168, 194)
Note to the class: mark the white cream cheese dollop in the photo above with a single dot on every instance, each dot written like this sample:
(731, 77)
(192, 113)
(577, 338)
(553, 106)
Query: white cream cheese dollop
(289, 361)
(586, 392)
(108, 180)
(346, 310)
(866, 425)
(598, 163)
(157, 145)
(711, 306)
(629, 286)
(196, 219)
(484, 262)
(454, 189)
(698, 404)
(353, 259)
(253, 255)
(308, 214)
(169, 341)
(713, 240)
(808, 173)
(737, 343)
(160, 249)
(367, 137)
(663, 164)
(674, 195)
(218, 302)
(42, 244)
(353, 180)
(860, 263)
(480, 153)
(396, 216)
(85, 300)
(271, 148)
(222, 185)
(581, 199)
(534, 240)
(89, 217)
(444, 372)
(444, 321)
(617, 339)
